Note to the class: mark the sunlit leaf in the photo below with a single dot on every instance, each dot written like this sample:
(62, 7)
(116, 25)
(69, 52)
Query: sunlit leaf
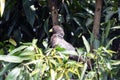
(45, 44)
(44, 68)
(34, 42)
(78, 64)
(115, 27)
(72, 71)
(2, 6)
(87, 46)
(83, 71)
(91, 75)
(12, 41)
(108, 51)
(91, 55)
(67, 76)
(13, 74)
(27, 53)
(110, 42)
(59, 59)
(17, 49)
(12, 59)
(35, 72)
(53, 62)
(58, 48)
(109, 65)
(60, 75)
(115, 62)
(53, 74)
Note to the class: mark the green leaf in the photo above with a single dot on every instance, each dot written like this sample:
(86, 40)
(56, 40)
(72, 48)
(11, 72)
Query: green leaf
(83, 71)
(46, 26)
(77, 21)
(58, 48)
(89, 21)
(44, 67)
(2, 6)
(91, 75)
(107, 30)
(45, 43)
(29, 12)
(17, 49)
(115, 27)
(53, 62)
(35, 72)
(96, 43)
(91, 37)
(115, 62)
(53, 74)
(34, 42)
(12, 59)
(110, 42)
(11, 28)
(109, 65)
(118, 12)
(60, 75)
(1, 51)
(12, 41)
(91, 55)
(87, 45)
(7, 67)
(13, 74)
(109, 14)
(27, 53)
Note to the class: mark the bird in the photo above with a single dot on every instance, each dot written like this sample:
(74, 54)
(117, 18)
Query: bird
(57, 38)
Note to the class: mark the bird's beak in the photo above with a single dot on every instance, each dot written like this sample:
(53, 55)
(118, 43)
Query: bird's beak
(51, 30)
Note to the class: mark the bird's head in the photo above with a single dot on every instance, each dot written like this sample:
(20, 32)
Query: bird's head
(57, 30)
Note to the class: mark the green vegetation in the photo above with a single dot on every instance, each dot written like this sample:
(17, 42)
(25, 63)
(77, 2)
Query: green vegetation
(25, 52)
(30, 62)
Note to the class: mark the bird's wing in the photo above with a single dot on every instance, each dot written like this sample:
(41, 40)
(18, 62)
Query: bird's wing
(64, 44)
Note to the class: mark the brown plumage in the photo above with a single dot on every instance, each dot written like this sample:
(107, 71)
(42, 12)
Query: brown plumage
(58, 30)
(58, 38)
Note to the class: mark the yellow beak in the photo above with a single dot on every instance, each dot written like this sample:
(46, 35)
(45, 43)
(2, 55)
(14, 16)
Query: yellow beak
(51, 30)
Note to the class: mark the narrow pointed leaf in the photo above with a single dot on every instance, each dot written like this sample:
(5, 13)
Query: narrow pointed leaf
(2, 6)
(12, 59)
(87, 45)
(13, 74)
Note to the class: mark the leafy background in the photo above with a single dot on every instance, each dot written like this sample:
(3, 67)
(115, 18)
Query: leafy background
(25, 20)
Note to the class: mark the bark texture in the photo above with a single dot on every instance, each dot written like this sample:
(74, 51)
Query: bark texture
(54, 11)
(97, 18)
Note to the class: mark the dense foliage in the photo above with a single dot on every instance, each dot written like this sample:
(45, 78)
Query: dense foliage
(24, 21)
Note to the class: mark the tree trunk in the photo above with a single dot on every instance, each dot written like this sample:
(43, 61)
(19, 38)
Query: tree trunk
(97, 18)
(96, 24)
(54, 11)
